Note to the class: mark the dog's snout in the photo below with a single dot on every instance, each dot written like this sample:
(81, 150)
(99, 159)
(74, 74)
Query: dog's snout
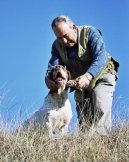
(58, 73)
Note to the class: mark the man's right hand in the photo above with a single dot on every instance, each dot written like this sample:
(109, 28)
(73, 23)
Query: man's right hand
(50, 83)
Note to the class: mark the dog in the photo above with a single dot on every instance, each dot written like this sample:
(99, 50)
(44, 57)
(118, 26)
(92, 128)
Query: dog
(56, 112)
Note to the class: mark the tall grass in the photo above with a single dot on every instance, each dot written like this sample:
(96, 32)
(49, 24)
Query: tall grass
(35, 146)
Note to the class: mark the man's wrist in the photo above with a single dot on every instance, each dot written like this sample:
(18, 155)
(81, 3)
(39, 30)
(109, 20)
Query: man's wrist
(89, 76)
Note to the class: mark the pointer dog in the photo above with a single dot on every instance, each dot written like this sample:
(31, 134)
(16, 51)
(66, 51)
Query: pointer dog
(56, 111)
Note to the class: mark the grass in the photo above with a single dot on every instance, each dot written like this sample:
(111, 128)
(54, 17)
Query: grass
(35, 146)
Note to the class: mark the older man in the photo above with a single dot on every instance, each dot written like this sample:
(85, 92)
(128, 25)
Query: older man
(81, 49)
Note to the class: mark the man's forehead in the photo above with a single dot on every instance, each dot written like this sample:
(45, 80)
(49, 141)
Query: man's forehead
(61, 29)
(62, 26)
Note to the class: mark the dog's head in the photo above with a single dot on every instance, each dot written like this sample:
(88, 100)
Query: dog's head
(60, 76)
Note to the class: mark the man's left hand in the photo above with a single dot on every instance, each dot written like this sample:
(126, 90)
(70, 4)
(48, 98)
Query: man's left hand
(83, 81)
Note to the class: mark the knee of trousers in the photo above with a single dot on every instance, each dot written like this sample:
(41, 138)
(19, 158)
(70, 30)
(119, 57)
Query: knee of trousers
(102, 97)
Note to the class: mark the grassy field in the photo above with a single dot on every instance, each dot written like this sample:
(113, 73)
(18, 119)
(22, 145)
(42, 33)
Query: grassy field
(35, 146)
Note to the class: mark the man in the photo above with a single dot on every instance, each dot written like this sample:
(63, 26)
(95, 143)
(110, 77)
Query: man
(81, 49)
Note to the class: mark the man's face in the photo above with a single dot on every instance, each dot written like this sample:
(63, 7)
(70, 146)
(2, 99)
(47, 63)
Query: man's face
(66, 34)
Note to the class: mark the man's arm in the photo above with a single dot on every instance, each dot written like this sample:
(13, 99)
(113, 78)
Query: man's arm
(96, 47)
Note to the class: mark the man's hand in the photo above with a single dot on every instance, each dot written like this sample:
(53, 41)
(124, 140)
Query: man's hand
(50, 83)
(83, 81)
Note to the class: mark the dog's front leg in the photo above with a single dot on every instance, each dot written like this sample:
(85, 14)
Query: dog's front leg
(64, 130)
(50, 130)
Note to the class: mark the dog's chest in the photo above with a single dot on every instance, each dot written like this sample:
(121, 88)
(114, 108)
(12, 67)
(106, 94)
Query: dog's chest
(55, 101)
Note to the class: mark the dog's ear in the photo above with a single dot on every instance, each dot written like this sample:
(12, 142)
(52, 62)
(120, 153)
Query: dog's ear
(69, 75)
(51, 74)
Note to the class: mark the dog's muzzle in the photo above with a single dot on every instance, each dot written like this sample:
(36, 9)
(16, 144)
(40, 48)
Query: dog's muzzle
(60, 75)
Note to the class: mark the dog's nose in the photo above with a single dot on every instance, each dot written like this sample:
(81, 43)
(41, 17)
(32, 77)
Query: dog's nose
(58, 66)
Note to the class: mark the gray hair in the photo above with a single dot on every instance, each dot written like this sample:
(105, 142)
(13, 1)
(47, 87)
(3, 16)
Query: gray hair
(60, 19)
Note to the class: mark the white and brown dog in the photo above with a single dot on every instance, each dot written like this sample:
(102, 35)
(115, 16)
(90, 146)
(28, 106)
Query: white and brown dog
(56, 111)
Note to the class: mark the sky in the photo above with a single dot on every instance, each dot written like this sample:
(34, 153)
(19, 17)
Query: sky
(25, 49)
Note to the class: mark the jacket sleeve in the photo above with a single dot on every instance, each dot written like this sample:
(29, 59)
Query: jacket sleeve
(97, 49)
(55, 59)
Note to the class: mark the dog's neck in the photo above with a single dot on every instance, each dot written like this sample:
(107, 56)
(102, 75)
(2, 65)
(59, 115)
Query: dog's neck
(59, 91)
(60, 98)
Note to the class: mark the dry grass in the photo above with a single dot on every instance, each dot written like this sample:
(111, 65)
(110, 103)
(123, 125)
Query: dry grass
(35, 146)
